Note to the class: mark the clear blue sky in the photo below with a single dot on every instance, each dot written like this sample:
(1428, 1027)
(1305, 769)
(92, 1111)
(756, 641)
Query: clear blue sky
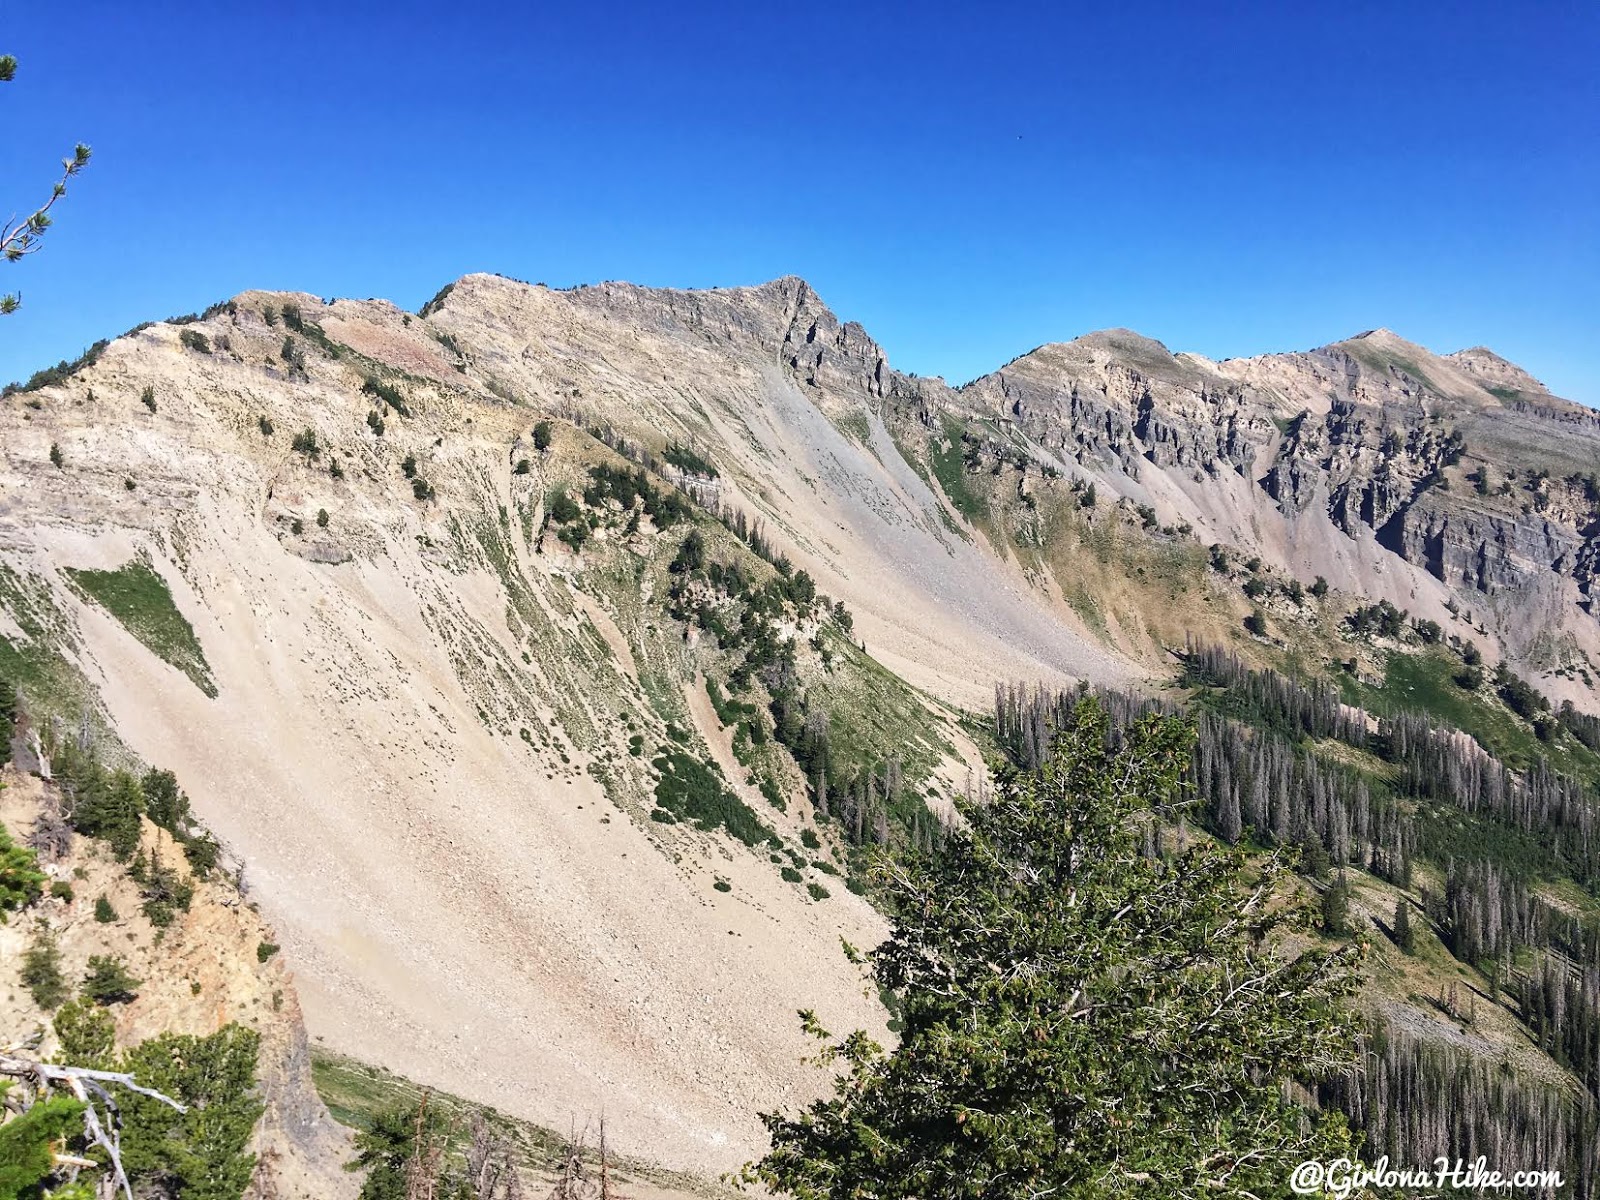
(967, 181)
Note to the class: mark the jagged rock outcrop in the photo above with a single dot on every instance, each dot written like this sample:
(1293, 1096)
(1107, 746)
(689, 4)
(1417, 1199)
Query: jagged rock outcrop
(1118, 399)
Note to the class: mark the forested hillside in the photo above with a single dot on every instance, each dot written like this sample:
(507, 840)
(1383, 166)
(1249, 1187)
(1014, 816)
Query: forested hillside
(1471, 883)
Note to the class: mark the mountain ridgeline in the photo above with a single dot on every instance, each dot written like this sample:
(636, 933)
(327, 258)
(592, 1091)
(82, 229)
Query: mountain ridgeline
(556, 665)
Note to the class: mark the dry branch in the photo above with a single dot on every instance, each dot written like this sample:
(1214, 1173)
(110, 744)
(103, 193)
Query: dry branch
(88, 1087)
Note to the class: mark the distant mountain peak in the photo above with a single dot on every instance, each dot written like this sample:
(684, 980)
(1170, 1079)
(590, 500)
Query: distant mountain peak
(1127, 341)
(1494, 371)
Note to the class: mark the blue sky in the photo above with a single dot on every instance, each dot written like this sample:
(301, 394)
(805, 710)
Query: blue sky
(967, 181)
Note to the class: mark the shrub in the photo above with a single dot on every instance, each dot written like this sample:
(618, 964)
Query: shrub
(1256, 624)
(265, 950)
(375, 423)
(522, 467)
(322, 518)
(165, 894)
(297, 527)
(386, 392)
(691, 790)
(61, 890)
(686, 459)
(563, 508)
(541, 436)
(790, 875)
(810, 840)
(108, 981)
(421, 488)
(408, 465)
(56, 456)
(195, 340)
(818, 892)
(305, 442)
(103, 912)
(87, 1033)
(265, 426)
(148, 397)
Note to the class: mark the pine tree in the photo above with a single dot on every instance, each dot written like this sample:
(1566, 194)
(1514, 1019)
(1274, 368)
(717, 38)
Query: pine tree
(8, 719)
(21, 238)
(1403, 935)
(21, 881)
(202, 1154)
(1078, 1018)
(108, 980)
(41, 968)
(1336, 907)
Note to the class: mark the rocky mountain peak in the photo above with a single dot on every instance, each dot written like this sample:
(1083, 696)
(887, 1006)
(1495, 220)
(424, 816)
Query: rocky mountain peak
(1494, 371)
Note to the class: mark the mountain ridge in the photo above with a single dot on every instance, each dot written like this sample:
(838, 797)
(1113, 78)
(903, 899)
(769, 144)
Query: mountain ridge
(440, 709)
(798, 290)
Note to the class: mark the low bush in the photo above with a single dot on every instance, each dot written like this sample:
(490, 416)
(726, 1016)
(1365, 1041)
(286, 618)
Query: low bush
(108, 981)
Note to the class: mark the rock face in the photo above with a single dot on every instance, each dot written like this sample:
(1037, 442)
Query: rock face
(1461, 469)
(420, 737)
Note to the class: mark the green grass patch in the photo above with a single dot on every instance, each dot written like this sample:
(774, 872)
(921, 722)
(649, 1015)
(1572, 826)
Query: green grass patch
(1425, 683)
(856, 427)
(874, 715)
(137, 596)
(35, 663)
(951, 472)
(355, 1093)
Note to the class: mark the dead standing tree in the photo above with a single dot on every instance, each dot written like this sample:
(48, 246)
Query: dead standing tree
(576, 1179)
(491, 1168)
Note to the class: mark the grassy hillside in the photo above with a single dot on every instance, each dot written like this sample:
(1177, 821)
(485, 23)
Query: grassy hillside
(355, 1093)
